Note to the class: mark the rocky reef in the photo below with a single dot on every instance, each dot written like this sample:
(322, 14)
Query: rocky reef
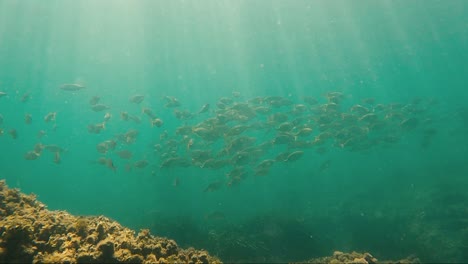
(339, 257)
(31, 233)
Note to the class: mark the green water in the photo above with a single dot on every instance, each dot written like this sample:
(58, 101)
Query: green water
(394, 200)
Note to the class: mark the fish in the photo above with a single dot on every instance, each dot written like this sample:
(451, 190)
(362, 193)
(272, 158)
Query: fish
(148, 112)
(1, 119)
(310, 100)
(171, 102)
(124, 116)
(135, 119)
(125, 154)
(54, 148)
(31, 155)
(28, 118)
(25, 97)
(107, 117)
(156, 122)
(3, 94)
(72, 87)
(50, 117)
(204, 109)
(94, 100)
(41, 133)
(175, 161)
(140, 164)
(324, 166)
(409, 123)
(96, 128)
(1, 131)
(57, 159)
(38, 148)
(214, 186)
(304, 132)
(176, 182)
(110, 164)
(294, 156)
(99, 107)
(13, 133)
(137, 98)
(216, 215)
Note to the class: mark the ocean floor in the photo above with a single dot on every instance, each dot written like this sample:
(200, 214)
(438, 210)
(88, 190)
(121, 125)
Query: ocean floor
(31, 233)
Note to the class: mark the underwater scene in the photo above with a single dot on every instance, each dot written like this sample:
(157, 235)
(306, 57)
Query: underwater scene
(259, 131)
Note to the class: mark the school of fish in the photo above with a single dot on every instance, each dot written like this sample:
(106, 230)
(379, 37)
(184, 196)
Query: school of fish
(241, 137)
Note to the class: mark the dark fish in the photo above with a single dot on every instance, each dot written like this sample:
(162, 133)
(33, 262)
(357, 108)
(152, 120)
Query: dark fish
(25, 97)
(204, 109)
(72, 87)
(125, 154)
(137, 98)
(13, 133)
(214, 186)
(99, 107)
(57, 159)
(94, 100)
(50, 117)
(324, 166)
(110, 164)
(31, 155)
(216, 215)
(140, 164)
(294, 156)
(28, 118)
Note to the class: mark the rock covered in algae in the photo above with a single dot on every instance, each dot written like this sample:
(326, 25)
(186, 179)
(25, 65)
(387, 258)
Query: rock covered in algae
(339, 257)
(31, 233)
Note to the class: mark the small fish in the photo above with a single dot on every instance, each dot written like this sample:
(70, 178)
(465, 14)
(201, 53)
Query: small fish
(72, 87)
(156, 122)
(110, 164)
(176, 182)
(137, 99)
(38, 148)
(41, 133)
(294, 156)
(324, 166)
(54, 148)
(216, 215)
(410, 123)
(125, 154)
(213, 186)
(96, 128)
(28, 118)
(94, 100)
(189, 144)
(13, 133)
(306, 131)
(204, 109)
(57, 159)
(2, 94)
(124, 116)
(107, 117)
(50, 117)
(31, 155)
(99, 107)
(1, 119)
(25, 97)
(171, 102)
(140, 164)
(148, 112)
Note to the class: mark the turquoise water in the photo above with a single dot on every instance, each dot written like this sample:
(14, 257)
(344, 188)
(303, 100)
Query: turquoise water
(393, 200)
